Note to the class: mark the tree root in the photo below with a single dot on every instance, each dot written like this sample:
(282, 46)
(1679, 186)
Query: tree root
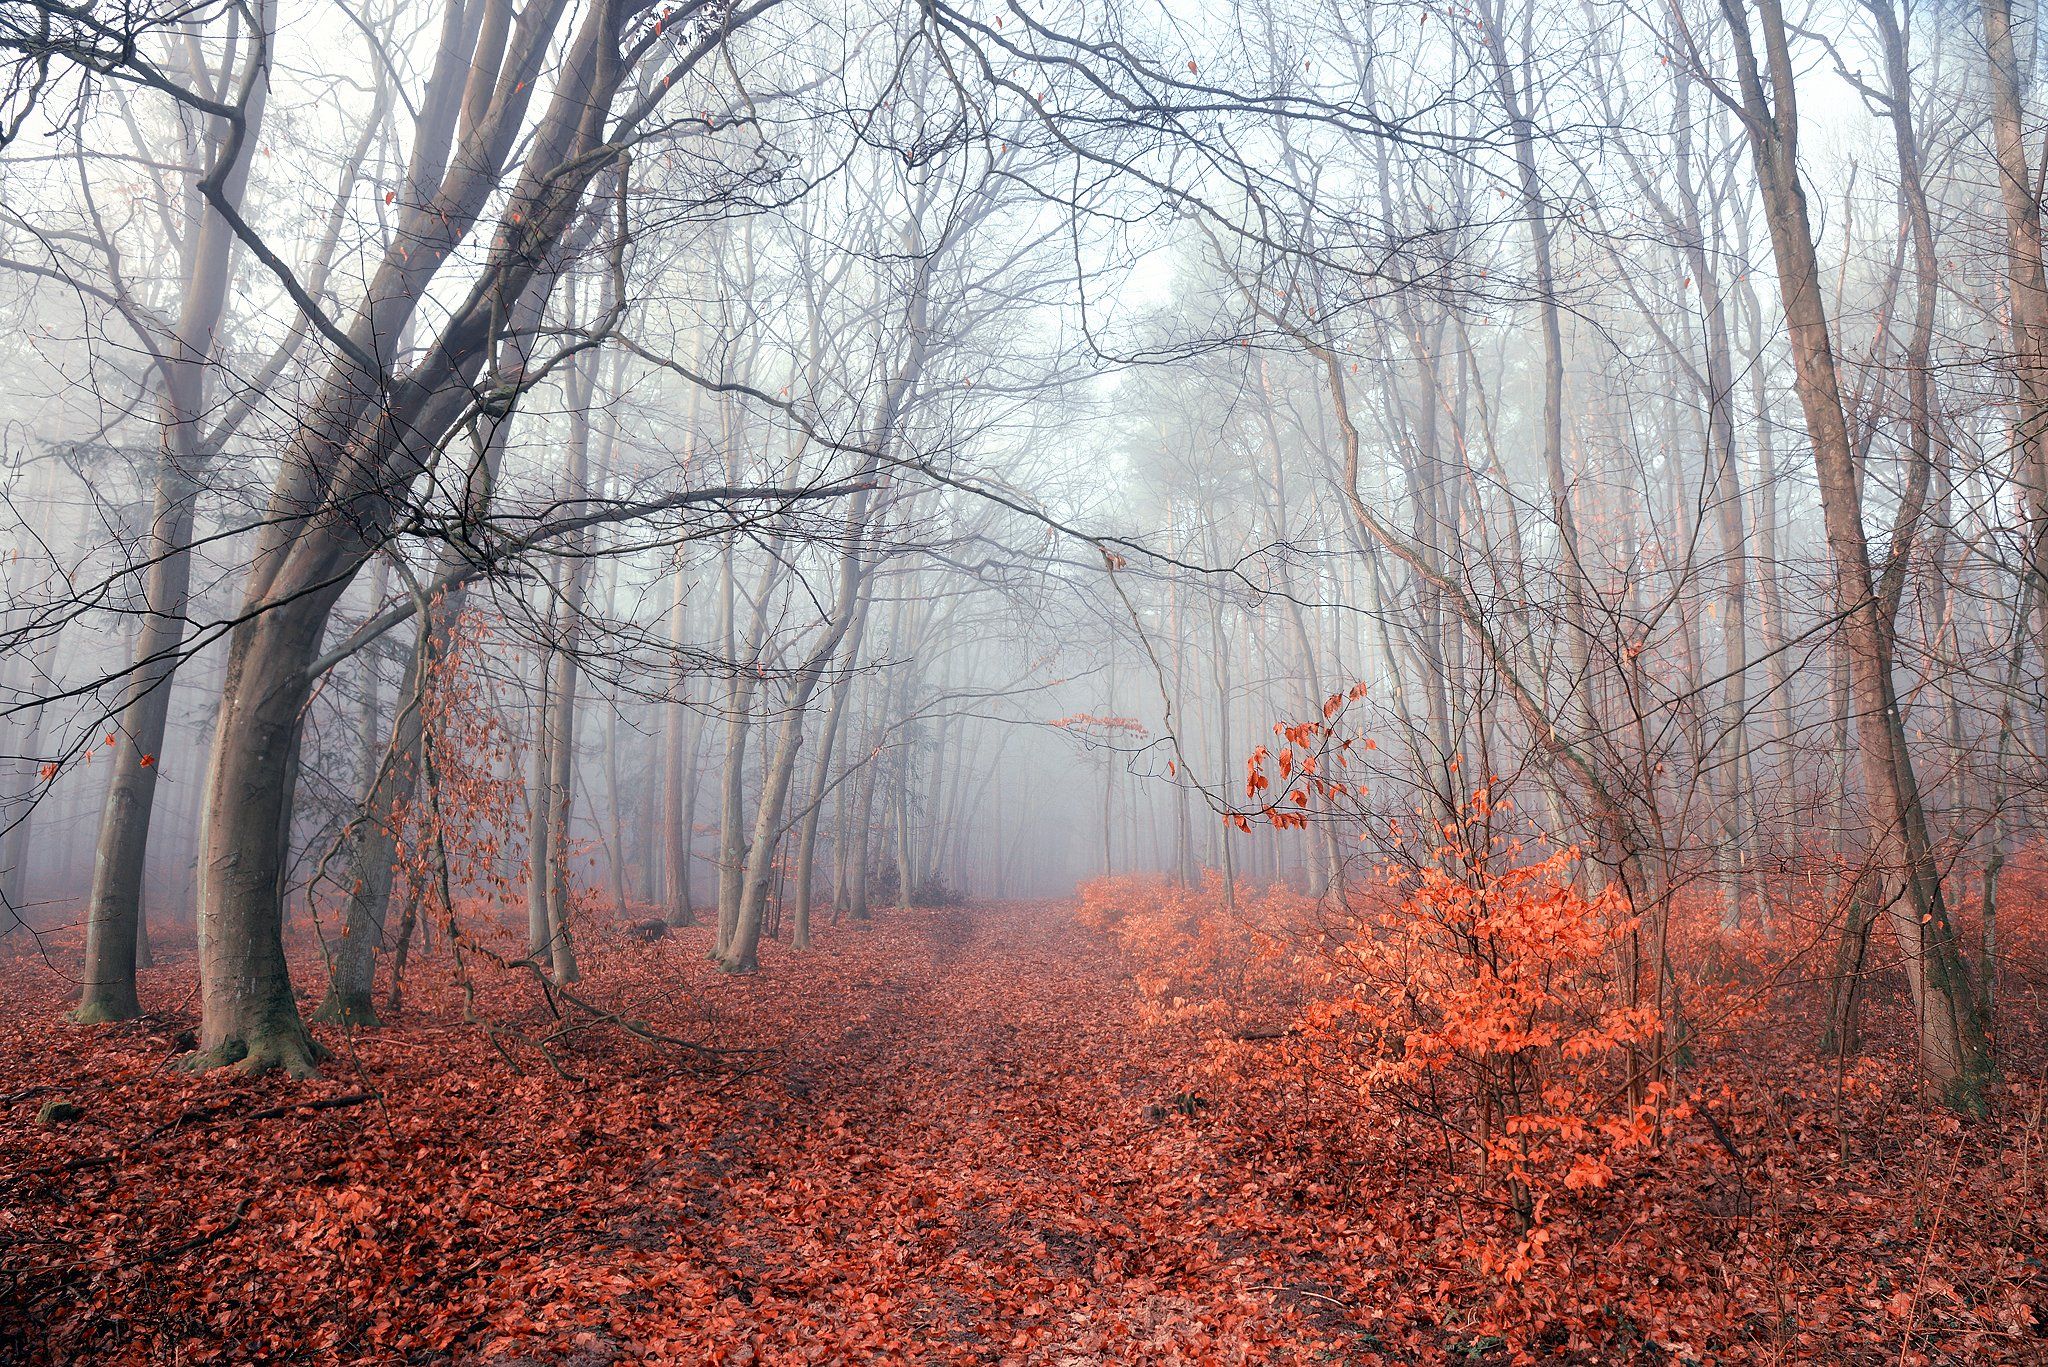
(290, 1049)
(102, 1013)
(203, 1115)
(357, 1012)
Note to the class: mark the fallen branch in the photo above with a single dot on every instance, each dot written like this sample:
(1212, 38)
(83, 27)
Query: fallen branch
(99, 1160)
(554, 994)
(1266, 1032)
(234, 1222)
(1297, 1291)
(644, 1031)
(206, 1115)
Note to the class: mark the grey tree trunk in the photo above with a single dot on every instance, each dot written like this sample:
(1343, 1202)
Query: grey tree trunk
(248, 1016)
(113, 925)
(558, 799)
(1953, 1048)
(559, 794)
(857, 847)
(539, 821)
(821, 773)
(743, 951)
(2026, 279)
(373, 849)
(679, 786)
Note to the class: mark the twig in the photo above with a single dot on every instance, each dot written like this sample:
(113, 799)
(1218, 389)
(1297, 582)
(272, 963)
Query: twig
(1261, 1034)
(1297, 1291)
(101, 1160)
(183, 1246)
(1721, 1135)
(234, 1222)
(200, 1115)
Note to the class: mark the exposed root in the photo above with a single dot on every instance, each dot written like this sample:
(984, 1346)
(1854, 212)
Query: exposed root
(290, 1049)
(337, 1008)
(105, 1013)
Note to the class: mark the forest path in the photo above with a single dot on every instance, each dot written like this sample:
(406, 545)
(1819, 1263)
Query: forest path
(972, 1134)
(949, 1150)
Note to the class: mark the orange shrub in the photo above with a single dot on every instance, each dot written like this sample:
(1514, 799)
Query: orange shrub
(1482, 1001)
(1478, 999)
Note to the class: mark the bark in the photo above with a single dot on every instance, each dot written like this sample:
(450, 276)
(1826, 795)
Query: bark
(558, 800)
(679, 800)
(679, 780)
(370, 433)
(1953, 1049)
(615, 852)
(1226, 763)
(248, 1016)
(16, 844)
(1513, 84)
(743, 952)
(854, 851)
(539, 821)
(1732, 745)
(372, 843)
(373, 850)
(678, 785)
(113, 926)
(821, 773)
(558, 796)
(1326, 860)
(739, 702)
(2027, 281)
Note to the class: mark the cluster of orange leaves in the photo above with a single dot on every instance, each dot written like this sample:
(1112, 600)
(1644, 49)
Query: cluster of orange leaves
(1089, 723)
(451, 836)
(1308, 764)
(1464, 1035)
(1475, 996)
(1481, 1011)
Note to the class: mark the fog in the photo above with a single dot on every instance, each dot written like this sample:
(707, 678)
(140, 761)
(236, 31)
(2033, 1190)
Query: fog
(584, 462)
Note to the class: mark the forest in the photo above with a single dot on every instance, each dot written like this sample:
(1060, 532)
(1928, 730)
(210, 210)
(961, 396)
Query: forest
(1042, 682)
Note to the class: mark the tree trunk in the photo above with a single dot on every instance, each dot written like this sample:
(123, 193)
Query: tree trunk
(2027, 282)
(114, 927)
(678, 785)
(742, 953)
(248, 1015)
(113, 923)
(821, 773)
(373, 850)
(539, 822)
(1953, 1048)
(557, 883)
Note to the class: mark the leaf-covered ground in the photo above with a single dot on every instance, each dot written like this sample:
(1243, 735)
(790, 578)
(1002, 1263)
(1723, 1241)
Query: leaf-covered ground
(957, 1144)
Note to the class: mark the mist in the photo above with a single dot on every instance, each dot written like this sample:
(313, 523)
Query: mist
(1476, 568)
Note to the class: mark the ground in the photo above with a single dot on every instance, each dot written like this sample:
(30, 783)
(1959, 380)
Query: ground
(954, 1142)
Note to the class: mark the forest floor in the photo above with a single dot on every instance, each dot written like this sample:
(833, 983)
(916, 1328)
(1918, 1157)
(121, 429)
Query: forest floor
(955, 1144)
